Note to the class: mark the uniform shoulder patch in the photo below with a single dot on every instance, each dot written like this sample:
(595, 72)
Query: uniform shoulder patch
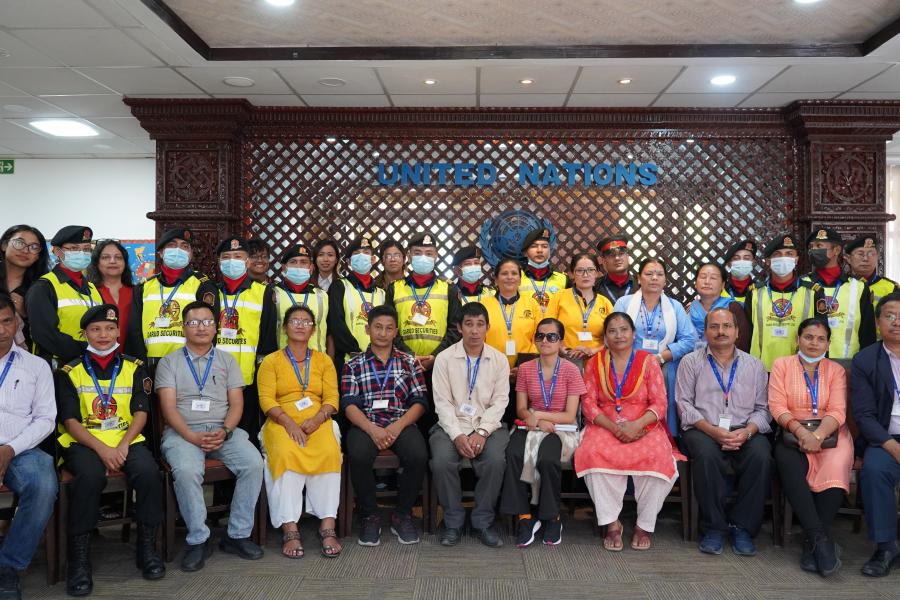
(209, 298)
(66, 368)
(201, 278)
(148, 385)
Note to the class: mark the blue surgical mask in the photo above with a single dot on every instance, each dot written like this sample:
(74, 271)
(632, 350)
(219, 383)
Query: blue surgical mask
(176, 258)
(422, 265)
(471, 273)
(233, 268)
(297, 275)
(76, 260)
(811, 359)
(535, 265)
(741, 268)
(783, 265)
(361, 263)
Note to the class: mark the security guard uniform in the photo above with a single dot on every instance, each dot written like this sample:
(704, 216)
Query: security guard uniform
(879, 286)
(614, 287)
(288, 294)
(739, 289)
(56, 303)
(350, 300)
(470, 292)
(540, 284)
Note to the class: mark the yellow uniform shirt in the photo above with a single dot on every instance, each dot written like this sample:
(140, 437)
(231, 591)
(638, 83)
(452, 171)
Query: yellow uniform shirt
(523, 317)
(570, 308)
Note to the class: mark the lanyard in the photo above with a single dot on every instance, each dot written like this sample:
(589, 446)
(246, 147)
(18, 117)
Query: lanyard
(585, 314)
(294, 300)
(382, 383)
(780, 312)
(651, 318)
(465, 300)
(829, 302)
(230, 313)
(304, 381)
(200, 383)
(412, 288)
(472, 374)
(167, 301)
(610, 293)
(715, 369)
(104, 400)
(546, 396)
(367, 306)
(812, 387)
(509, 319)
(540, 293)
(620, 385)
(9, 361)
(88, 298)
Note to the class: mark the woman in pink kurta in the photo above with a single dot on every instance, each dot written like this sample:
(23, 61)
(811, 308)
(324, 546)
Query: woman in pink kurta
(625, 434)
(808, 397)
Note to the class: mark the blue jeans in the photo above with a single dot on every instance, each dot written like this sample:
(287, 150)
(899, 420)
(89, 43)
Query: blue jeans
(187, 462)
(32, 476)
(877, 480)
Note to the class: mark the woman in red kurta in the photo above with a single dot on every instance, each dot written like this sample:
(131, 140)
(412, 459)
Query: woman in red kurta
(110, 272)
(625, 412)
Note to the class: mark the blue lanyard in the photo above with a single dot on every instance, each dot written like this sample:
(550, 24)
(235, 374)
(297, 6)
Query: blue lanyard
(167, 301)
(465, 300)
(829, 302)
(509, 319)
(412, 288)
(780, 313)
(230, 313)
(367, 306)
(585, 315)
(715, 369)
(471, 375)
(9, 361)
(200, 383)
(620, 385)
(382, 383)
(651, 318)
(294, 300)
(610, 292)
(542, 292)
(104, 400)
(304, 381)
(546, 396)
(812, 387)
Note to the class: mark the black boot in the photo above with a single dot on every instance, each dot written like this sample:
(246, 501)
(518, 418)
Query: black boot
(807, 558)
(78, 571)
(826, 553)
(147, 559)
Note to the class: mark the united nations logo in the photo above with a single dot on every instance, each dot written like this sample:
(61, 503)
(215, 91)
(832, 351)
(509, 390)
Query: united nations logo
(502, 236)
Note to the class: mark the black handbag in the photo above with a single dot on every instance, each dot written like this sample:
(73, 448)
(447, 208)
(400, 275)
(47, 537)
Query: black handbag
(790, 440)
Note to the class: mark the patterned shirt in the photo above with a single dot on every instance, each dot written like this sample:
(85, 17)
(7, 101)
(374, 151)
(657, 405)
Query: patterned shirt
(404, 385)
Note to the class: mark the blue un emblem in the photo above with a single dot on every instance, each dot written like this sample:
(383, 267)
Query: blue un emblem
(502, 236)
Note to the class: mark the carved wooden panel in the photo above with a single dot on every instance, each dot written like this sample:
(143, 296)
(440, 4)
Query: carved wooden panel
(195, 175)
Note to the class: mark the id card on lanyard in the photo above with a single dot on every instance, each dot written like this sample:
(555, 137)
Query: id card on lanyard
(162, 321)
(620, 385)
(419, 318)
(812, 387)
(229, 333)
(200, 405)
(382, 401)
(584, 335)
(305, 401)
(547, 396)
(468, 408)
(109, 421)
(650, 340)
(510, 342)
(724, 417)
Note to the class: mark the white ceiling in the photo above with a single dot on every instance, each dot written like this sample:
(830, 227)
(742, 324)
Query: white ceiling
(78, 58)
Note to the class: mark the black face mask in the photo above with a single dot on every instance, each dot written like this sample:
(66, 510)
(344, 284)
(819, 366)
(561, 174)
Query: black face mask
(818, 257)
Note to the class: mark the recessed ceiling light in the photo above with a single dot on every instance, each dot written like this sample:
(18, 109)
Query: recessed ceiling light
(280, 3)
(16, 108)
(806, 1)
(526, 81)
(430, 81)
(239, 81)
(723, 80)
(625, 80)
(332, 82)
(64, 128)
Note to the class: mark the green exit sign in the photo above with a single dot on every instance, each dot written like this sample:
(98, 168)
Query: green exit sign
(7, 166)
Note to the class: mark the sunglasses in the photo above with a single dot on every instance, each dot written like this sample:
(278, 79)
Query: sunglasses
(550, 337)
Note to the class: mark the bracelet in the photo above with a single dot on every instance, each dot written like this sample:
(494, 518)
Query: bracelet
(788, 424)
(816, 435)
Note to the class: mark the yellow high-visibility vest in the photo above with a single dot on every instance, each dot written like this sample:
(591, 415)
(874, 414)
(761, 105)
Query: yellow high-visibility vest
(71, 305)
(245, 319)
(317, 301)
(775, 336)
(160, 341)
(422, 339)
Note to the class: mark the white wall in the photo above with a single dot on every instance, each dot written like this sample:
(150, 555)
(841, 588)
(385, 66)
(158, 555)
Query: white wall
(111, 196)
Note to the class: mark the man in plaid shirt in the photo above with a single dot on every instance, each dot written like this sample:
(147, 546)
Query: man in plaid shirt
(383, 394)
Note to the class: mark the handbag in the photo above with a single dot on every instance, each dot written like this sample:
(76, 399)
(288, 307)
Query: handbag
(790, 440)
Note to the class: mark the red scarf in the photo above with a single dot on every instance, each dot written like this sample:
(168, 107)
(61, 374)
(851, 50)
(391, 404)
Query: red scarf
(103, 361)
(740, 286)
(829, 274)
(539, 273)
(421, 281)
(366, 279)
(233, 284)
(783, 286)
(618, 280)
(76, 277)
(468, 288)
(297, 289)
(170, 276)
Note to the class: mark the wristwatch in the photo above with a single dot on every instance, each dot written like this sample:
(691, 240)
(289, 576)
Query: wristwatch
(482, 432)
(228, 433)
(749, 435)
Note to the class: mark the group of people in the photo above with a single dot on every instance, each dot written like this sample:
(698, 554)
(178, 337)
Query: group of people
(284, 379)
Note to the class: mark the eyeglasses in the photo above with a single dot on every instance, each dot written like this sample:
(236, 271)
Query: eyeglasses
(393, 256)
(891, 317)
(583, 272)
(20, 244)
(550, 337)
(194, 323)
(304, 323)
(615, 252)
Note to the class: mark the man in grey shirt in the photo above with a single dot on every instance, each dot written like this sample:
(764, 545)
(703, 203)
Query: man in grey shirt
(200, 392)
(722, 398)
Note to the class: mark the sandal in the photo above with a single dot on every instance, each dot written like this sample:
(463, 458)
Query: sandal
(641, 540)
(613, 540)
(328, 550)
(292, 536)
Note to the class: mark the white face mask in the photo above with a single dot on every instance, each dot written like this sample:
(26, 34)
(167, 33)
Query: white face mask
(741, 268)
(783, 266)
(811, 359)
(101, 353)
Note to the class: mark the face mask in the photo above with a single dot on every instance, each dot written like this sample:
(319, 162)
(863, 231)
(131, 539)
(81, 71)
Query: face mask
(233, 268)
(783, 265)
(297, 275)
(741, 268)
(76, 260)
(102, 353)
(471, 273)
(535, 265)
(422, 265)
(811, 359)
(818, 257)
(176, 258)
(361, 263)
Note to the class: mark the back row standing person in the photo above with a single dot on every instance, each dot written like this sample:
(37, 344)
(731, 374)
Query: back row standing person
(539, 280)
(861, 256)
(616, 262)
(24, 260)
(296, 288)
(469, 270)
(739, 261)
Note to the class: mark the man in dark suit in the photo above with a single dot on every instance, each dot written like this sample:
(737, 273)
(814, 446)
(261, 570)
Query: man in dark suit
(875, 386)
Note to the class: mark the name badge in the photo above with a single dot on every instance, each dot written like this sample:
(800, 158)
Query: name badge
(468, 410)
(585, 336)
(109, 423)
(228, 333)
(725, 422)
(420, 319)
(834, 322)
(510, 347)
(200, 405)
(895, 412)
(380, 404)
(781, 332)
(650, 345)
(162, 322)
(303, 403)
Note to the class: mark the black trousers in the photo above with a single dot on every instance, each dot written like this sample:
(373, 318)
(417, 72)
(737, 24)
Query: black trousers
(515, 499)
(251, 422)
(752, 466)
(412, 451)
(141, 472)
(816, 510)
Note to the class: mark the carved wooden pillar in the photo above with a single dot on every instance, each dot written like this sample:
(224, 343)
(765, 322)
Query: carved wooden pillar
(197, 168)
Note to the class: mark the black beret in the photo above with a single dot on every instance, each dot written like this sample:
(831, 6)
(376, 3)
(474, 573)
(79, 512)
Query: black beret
(295, 251)
(541, 233)
(748, 245)
(72, 234)
(780, 242)
(465, 253)
(363, 241)
(101, 312)
(824, 234)
(231, 244)
(864, 241)
(616, 241)
(174, 234)
(423, 240)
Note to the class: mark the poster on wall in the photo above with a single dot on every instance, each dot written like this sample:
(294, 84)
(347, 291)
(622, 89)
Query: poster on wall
(141, 258)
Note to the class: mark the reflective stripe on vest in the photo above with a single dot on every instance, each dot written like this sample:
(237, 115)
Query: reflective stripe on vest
(355, 317)
(320, 311)
(247, 318)
(767, 347)
(555, 283)
(71, 306)
(423, 340)
(160, 341)
(845, 336)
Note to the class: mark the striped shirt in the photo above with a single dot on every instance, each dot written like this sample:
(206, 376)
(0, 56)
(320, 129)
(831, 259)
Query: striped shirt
(568, 383)
(27, 401)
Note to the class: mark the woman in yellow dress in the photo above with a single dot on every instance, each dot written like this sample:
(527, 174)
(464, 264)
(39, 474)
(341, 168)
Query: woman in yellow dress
(298, 391)
(513, 318)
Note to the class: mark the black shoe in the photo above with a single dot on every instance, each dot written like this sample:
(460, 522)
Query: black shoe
(450, 536)
(79, 581)
(553, 532)
(489, 537)
(525, 530)
(147, 559)
(880, 564)
(195, 556)
(826, 553)
(369, 531)
(10, 588)
(243, 547)
(807, 558)
(403, 527)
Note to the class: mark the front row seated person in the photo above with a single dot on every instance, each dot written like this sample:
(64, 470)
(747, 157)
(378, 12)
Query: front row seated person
(383, 394)
(200, 391)
(103, 399)
(27, 416)
(875, 384)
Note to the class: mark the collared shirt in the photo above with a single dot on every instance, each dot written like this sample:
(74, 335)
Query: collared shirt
(225, 374)
(459, 412)
(27, 401)
(404, 387)
(699, 396)
(894, 428)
